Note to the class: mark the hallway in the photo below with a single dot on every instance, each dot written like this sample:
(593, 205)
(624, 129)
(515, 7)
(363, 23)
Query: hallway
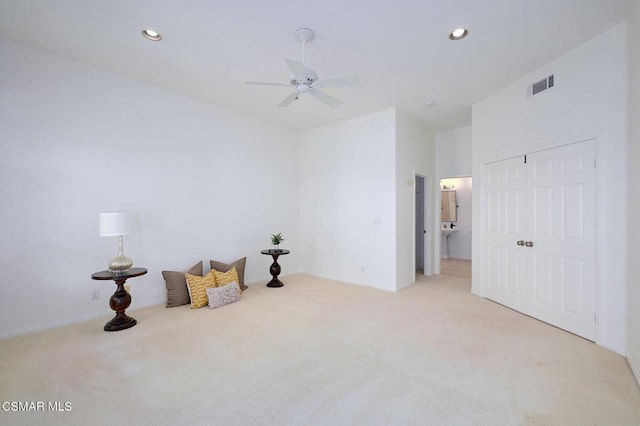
(460, 268)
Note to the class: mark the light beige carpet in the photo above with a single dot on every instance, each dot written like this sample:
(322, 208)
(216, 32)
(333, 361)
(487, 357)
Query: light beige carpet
(460, 268)
(322, 352)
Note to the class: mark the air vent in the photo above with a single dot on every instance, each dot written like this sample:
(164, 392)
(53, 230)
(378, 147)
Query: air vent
(540, 86)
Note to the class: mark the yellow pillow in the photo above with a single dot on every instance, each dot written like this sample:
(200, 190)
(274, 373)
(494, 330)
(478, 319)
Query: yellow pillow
(222, 278)
(197, 287)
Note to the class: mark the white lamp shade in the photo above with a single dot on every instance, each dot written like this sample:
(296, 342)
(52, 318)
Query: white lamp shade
(115, 224)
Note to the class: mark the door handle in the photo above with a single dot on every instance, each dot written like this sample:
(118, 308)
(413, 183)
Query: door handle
(529, 244)
(520, 242)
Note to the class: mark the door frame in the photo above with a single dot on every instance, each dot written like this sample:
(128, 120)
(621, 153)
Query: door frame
(428, 236)
(437, 208)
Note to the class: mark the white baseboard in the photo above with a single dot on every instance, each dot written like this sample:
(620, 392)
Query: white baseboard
(32, 328)
(613, 348)
(403, 286)
(635, 368)
(61, 322)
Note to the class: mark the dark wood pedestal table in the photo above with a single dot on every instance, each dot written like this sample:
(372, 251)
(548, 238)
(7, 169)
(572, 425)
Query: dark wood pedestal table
(120, 300)
(274, 270)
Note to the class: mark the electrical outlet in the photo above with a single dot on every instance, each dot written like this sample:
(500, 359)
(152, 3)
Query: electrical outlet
(95, 295)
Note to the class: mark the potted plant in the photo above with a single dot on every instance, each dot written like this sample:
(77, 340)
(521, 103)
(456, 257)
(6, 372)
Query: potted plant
(276, 239)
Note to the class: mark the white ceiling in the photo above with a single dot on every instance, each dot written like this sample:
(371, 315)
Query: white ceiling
(400, 49)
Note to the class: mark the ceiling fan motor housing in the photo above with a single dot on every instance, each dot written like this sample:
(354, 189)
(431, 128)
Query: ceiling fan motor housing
(310, 77)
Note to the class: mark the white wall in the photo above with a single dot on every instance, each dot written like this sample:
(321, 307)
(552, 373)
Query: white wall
(356, 224)
(633, 240)
(460, 241)
(415, 152)
(453, 152)
(77, 141)
(588, 101)
(348, 202)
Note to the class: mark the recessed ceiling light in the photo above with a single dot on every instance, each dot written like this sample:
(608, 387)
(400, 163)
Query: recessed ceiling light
(151, 35)
(458, 34)
(428, 103)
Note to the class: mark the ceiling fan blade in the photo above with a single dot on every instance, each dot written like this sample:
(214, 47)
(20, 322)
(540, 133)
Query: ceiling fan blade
(351, 80)
(296, 68)
(327, 99)
(287, 101)
(260, 83)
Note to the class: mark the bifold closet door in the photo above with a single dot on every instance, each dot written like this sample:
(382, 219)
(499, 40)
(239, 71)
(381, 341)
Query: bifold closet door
(540, 235)
(505, 225)
(561, 226)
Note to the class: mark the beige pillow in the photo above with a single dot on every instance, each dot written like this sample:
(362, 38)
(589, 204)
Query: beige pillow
(224, 267)
(177, 291)
(198, 288)
(223, 295)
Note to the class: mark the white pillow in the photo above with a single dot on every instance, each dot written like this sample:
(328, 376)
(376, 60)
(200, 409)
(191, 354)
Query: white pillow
(223, 295)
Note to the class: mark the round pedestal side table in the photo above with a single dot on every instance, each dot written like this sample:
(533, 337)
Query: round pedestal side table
(120, 300)
(274, 269)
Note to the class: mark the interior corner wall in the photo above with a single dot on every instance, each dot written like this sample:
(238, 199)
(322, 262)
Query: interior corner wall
(77, 140)
(633, 240)
(589, 100)
(347, 200)
(415, 153)
(453, 152)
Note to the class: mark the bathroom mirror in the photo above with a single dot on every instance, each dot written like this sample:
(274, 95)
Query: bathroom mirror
(448, 206)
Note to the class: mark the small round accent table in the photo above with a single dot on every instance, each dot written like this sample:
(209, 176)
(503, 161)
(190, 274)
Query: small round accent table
(274, 269)
(120, 299)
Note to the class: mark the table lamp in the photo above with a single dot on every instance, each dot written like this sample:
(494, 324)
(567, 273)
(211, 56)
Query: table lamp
(117, 224)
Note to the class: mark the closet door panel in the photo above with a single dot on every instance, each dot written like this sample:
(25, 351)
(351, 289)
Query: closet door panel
(561, 228)
(505, 225)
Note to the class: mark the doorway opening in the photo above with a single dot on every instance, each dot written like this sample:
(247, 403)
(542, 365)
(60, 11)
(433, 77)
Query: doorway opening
(455, 226)
(422, 226)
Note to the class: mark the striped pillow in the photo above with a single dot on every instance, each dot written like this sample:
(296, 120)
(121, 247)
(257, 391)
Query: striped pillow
(177, 291)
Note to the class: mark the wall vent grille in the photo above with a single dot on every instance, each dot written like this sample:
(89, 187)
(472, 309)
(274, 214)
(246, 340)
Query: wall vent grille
(540, 86)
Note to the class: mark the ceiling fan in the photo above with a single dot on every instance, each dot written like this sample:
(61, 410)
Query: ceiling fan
(305, 80)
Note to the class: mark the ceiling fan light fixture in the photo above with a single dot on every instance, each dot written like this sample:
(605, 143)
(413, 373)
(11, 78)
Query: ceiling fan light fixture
(303, 88)
(458, 34)
(151, 35)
